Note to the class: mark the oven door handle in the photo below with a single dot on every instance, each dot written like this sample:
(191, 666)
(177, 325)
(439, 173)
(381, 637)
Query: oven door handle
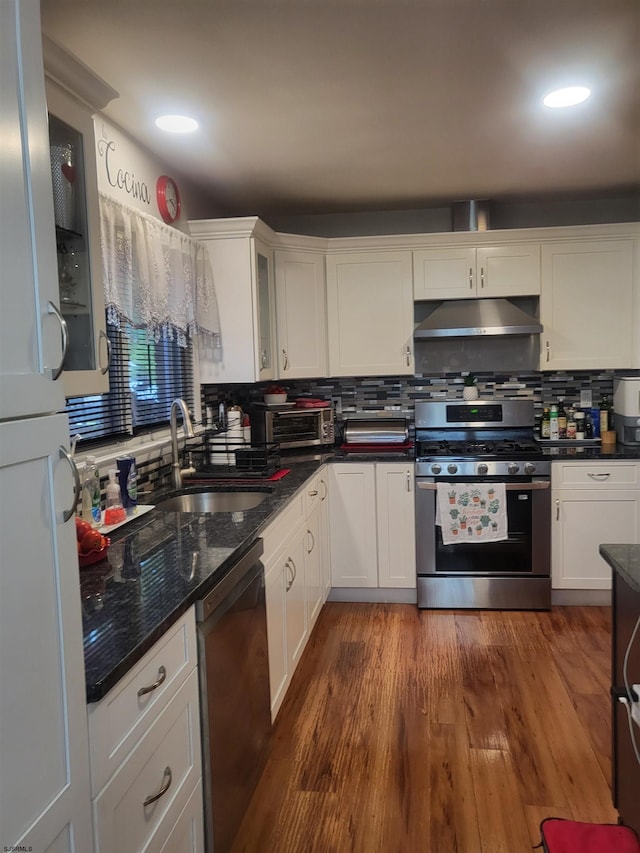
(510, 487)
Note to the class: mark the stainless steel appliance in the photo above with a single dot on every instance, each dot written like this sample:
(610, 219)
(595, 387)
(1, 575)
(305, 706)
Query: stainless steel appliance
(366, 435)
(483, 442)
(626, 409)
(235, 701)
(290, 425)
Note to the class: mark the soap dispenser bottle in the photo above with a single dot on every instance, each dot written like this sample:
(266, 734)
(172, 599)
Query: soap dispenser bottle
(114, 512)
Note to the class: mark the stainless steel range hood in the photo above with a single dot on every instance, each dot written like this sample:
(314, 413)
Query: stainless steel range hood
(467, 318)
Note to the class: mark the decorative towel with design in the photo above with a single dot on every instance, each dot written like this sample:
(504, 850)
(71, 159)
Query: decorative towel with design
(471, 512)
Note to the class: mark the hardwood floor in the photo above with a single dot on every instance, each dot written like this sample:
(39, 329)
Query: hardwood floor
(438, 731)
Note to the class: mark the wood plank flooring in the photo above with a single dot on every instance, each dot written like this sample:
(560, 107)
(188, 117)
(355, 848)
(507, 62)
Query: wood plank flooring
(438, 731)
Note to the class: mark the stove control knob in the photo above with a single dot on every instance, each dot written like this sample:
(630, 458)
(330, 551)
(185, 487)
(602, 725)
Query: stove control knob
(452, 468)
(529, 468)
(513, 468)
(483, 468)
(435, 469)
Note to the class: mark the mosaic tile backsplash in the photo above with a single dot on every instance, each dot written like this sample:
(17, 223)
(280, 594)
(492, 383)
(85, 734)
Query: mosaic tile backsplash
(369, 394)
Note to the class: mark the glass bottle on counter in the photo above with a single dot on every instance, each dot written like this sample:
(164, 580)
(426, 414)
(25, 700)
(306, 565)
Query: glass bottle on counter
(579, 426)
(562, 419)
(554, 433)
(571, 422)
(588, 425)
(545, 423)
(606, 419)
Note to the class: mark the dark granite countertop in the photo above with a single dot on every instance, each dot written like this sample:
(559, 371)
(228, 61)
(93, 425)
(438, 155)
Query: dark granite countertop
(625, 560)
(617, 451)
(157, 567)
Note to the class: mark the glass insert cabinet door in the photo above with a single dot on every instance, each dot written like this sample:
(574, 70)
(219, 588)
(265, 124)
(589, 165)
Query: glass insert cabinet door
(75, 206)
(265, 296)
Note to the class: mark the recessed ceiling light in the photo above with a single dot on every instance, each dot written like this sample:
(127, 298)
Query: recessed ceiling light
(567, 97)
(177, 124)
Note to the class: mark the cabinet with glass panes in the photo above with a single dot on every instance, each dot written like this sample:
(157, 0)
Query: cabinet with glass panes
(76, 213)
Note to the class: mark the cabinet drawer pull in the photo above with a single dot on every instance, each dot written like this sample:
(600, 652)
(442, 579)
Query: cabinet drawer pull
(163, 790)
(604, 475)
(290, 573)
(312, 541)
(162, 674)
(481, 276)
(557, 510)
(285, 360)
(313, 493)
(64, 329)
(408, 356)
(325, 490)
(548, 349)
(470, 278)
(409, 480)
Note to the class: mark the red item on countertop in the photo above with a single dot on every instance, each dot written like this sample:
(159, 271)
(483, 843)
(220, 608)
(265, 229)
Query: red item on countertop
(312, 403)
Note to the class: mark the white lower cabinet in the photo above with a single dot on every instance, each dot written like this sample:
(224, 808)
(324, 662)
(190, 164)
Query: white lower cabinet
(44, 756)
(146, 767)
(294, 583)
(593, 503)
(372, 525)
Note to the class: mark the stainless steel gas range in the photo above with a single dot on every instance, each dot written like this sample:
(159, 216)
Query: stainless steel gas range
(470, 446)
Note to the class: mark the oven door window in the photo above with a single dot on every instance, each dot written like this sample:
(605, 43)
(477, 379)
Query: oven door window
(509, 556)
(295, 427)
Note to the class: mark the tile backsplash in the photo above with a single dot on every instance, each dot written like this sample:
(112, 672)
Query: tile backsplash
(368, 394)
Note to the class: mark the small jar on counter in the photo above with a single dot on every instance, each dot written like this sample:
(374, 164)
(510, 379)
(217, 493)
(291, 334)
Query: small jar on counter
(579, 426)
(571, 423)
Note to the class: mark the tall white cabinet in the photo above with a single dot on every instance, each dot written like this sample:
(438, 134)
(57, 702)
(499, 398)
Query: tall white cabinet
(44, 764)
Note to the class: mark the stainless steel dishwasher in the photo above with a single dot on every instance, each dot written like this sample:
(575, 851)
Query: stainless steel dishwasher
(234, 695)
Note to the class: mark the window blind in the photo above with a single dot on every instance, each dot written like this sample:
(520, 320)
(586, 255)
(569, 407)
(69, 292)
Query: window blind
(144, 377)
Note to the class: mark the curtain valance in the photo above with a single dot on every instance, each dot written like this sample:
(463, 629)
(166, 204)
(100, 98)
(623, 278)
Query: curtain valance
(155, 277)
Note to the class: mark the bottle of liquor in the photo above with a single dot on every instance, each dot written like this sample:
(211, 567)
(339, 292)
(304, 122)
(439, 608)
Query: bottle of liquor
(562, 419)
(545, 423)
(571, 422)
(606, 420)
(553, 423)
(588, 425)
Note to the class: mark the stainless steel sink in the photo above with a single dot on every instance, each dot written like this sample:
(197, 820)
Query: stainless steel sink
(212, 502)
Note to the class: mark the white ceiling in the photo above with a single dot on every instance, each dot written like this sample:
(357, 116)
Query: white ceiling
(310, 106)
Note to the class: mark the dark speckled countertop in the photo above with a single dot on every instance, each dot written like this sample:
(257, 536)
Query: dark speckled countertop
(625, 560)
(157, 567)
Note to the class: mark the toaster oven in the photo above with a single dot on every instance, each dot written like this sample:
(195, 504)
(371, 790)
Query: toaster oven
(290, 426)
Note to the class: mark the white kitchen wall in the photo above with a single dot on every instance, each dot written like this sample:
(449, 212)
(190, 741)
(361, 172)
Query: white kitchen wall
(128, 173)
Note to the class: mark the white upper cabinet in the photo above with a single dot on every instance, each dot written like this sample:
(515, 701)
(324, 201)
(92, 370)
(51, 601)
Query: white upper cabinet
(77, 233)
(370, 313)
(30, 325)
(463, 272)
(242, 262)
(586, 305)
(301, 314)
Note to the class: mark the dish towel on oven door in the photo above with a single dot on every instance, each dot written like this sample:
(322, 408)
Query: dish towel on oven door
(471, 512)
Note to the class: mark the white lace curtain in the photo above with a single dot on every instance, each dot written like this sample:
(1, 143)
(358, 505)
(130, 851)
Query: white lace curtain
(155, 277)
